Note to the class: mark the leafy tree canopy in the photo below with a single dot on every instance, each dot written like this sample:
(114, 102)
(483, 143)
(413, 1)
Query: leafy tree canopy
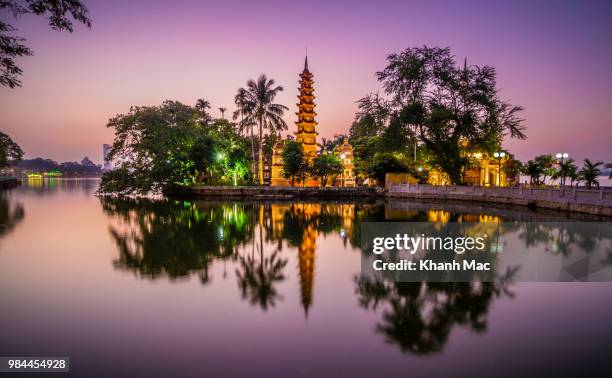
(172, 144)
(384, 163)
(326, 166)
(60, 14)
(294, 164)
(445, 106)
(9, 151)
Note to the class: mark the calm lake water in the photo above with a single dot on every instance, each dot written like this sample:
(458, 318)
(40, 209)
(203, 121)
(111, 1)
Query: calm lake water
(195, 288)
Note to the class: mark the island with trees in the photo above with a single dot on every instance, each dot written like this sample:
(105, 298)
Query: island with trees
(437, 122)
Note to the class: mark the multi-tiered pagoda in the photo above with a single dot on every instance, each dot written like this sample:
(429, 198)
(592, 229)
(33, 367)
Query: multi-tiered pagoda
(306, 134)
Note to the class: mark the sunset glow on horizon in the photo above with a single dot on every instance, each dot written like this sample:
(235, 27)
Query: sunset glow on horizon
(552, 59)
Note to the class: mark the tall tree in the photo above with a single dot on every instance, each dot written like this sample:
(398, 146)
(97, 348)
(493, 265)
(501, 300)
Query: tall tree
(325, 166)
(268, 115)
(589, 173)
(60, 14)
(152, 147)
(566, 169)
(324, 145)
(384, 163)
(244, 111)
(294, 163)
(447, 107)
(202, 106)
(371, 116)
(222, 110)
(547, 164)
(9, 151)
(534, 171)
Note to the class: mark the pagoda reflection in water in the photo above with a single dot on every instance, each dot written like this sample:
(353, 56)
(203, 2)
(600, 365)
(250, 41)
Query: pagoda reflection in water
(179, 239)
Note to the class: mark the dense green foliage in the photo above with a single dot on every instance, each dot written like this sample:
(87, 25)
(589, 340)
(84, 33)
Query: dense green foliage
(9, 150)
(384, 163)
(295, 166)
(326, 166)
(59, 13)
(436, 107)
(173, 144)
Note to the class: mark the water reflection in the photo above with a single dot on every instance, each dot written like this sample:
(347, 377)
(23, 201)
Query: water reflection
(418, 317)
(50, 185)
(11, 213)
(174, 240)
(257, 276)
(179, 239)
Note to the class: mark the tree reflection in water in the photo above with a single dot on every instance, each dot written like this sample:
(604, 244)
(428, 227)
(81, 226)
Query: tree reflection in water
(177, 239)
(561, 238)
(256, 278)
(418, 316)
(11, 214)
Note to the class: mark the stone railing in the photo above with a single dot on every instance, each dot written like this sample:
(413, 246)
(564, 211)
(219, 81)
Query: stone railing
(594, 201)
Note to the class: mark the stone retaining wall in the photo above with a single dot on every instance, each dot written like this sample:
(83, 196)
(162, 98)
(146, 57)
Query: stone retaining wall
(274, 192)
(588, 202)
(566, 200)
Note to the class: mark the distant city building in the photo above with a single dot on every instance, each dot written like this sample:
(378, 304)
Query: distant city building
(108, 165)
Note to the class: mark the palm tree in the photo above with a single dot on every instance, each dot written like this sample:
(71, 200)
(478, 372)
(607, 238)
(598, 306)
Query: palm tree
(589, 173)
(244, 111)
(567, 169)
(260, 94)
(609, 166)
(222, 110)
(324, 145)
(546, 162)
(257, 279)
(202, 106)
(534, 171)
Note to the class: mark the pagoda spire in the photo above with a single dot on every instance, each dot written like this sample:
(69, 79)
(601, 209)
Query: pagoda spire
(306, 63)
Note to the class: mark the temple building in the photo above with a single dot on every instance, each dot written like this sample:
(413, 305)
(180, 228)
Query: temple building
(483, 170)
(306, 136)
(277, 166)
(345, 154)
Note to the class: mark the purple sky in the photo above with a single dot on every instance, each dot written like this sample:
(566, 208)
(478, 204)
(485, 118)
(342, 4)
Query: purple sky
(554, 58)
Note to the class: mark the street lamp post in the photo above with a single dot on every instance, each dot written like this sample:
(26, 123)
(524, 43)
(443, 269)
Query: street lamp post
(342, 156)
(499, 156)
(562, 156)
